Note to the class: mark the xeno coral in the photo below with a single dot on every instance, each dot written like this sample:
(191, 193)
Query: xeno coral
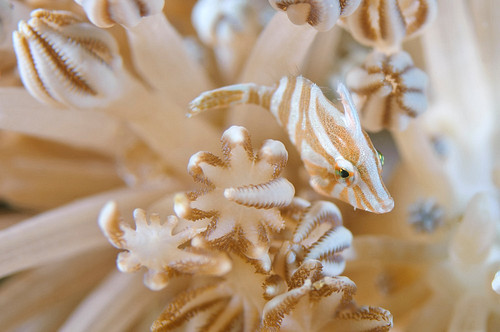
(159, 247)
(337, 153)
(320, 14)
(241, 194)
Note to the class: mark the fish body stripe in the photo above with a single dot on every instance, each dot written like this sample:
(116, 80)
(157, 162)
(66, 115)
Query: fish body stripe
(280, 101)
(300, 106)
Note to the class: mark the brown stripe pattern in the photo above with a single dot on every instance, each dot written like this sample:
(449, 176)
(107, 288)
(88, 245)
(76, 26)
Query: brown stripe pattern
(63, 60)
(384, 24)
(389, 90)
(318, 235)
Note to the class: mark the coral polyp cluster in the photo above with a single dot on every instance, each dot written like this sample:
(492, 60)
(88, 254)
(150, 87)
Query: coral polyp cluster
(247, 204)
(249, 165)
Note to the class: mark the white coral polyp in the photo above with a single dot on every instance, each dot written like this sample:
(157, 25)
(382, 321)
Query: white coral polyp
(318, 236)
(320, 14)
(217, 19)
(63, 60)
(388, 90)
(105, 13)
(230, 28)
(155, 246)
(242, 194)
(152, 244)
(328, 302)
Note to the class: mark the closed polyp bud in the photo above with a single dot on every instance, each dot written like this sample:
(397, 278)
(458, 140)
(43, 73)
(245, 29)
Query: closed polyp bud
(384, 24)
(320, 14)
(105, 13)
(388, 90)
(63, 60)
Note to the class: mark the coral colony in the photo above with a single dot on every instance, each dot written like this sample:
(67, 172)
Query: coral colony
(281, 165)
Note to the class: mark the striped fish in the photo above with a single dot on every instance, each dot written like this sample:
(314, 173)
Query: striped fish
(338, 155)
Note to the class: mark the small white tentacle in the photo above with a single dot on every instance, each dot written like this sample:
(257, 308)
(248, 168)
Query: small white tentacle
(275, 193)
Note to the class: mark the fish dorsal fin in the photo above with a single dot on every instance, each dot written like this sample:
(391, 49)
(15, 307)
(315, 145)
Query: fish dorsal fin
(351, 117)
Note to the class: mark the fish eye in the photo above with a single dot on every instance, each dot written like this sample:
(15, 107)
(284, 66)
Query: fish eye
(380, 157)
(344, 175)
